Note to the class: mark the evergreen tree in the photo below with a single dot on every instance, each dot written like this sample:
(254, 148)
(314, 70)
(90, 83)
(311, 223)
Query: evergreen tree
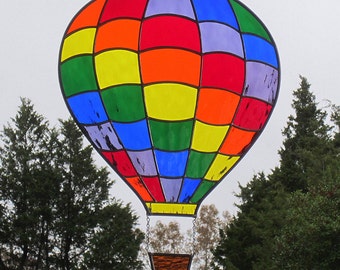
(83, 191)
(307, 143)
(245, 242)
(25, 174)
(116, 243)
(54, 202)
(310, 235)
(295, 209)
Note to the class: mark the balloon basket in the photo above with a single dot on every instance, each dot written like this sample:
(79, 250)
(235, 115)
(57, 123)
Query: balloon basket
(166, 261)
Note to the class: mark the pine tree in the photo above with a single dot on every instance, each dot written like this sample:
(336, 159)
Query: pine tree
(116, 243)
(245, 242)
(27, 187)
(54, 202)
(307, 143)
(293, 210)
(310, 235)
(83, 191)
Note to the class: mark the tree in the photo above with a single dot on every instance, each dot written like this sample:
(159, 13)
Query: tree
(116, 243)
(83, 191)
(207, 236)
(54, 202)
(167, 238)
(310, 236)
(25, 174)
(307, 143)
(245, 242)
(291, 208)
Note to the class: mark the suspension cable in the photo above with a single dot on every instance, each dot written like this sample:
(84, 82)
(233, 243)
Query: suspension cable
(194, 235)
(148, 233)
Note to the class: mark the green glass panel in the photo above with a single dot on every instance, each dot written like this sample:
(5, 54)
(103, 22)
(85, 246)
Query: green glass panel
(198, 164)
(204, 187)
(77, 75)
(248, 22)
(171, 136)
(124, 103)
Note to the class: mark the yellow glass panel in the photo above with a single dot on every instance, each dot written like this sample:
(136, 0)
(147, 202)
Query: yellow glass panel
(208, 138)
(220, 166)
(172, 208)
(80, 42)
(117, 67)
(170, 101)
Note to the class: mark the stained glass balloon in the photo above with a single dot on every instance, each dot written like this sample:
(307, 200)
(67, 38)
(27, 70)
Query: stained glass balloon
(171, 93)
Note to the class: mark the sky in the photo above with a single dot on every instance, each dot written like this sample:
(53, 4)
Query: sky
(305, 32)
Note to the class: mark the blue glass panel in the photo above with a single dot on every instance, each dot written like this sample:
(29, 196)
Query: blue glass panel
(103, 136)
(188, 189)
(258, 49)
(178, 7)
(171, 188)
(134, 136)
(220, 37)
(261, 82)
(144, 162)
(171, 164)
(88, 108)
(219, 11)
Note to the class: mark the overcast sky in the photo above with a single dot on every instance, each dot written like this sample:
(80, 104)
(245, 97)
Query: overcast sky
(306, 33)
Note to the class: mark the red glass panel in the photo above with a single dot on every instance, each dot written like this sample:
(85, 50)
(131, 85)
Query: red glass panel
(224, 71)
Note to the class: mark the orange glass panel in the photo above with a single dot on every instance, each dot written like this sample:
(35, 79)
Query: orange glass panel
(237, 141)
(170, 65)
(216, 106)
(88, 17)
(139, 187)
(118, 34)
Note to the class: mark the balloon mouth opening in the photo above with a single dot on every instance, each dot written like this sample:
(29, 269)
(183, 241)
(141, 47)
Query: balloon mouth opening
(181, 209)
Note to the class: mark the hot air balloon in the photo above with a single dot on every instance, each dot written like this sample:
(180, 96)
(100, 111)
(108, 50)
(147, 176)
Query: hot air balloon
(171, 93)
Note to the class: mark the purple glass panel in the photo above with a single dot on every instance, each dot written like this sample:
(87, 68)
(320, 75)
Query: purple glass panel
(220, 37)
(103, 136)
(261, 82)
(178, 7)
(171, 188)
(144, 162)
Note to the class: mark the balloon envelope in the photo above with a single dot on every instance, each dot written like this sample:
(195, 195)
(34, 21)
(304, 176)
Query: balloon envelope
(171, 93)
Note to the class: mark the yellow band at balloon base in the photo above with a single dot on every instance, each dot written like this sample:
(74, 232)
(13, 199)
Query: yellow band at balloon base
(185, 209)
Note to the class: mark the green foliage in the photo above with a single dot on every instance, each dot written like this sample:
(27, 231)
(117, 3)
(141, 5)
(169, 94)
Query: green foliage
(290, 218)
(54, 202)
(116, 243)
(82, 192)
(245, 242)
(310, 235)
(307, 146)
(27, 186)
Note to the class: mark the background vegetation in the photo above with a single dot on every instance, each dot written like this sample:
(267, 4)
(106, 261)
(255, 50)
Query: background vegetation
(55, 210)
